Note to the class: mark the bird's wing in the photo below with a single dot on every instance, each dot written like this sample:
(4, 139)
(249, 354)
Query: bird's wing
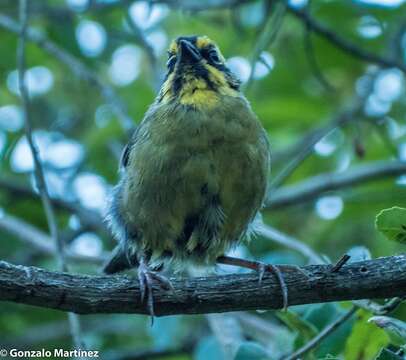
(125, 154)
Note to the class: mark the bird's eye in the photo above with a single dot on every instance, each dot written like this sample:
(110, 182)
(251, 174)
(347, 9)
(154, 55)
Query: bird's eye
(171, 61)
(214, 57)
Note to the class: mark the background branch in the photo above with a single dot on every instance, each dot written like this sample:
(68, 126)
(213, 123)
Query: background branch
(38, 170)
(314, 186)
(88, 218)
(313, 343)
(39, 240)
(77, 68)
(342, 43)
(381, 278)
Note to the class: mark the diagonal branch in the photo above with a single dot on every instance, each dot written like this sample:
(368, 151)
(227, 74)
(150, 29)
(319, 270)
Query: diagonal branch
(37, 239)
(313, 343)
(380, 278)
(314, 186)
(342, 43)
(89, 218)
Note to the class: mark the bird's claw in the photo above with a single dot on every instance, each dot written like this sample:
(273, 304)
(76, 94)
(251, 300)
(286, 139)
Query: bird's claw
(146, 279)
(261, 272)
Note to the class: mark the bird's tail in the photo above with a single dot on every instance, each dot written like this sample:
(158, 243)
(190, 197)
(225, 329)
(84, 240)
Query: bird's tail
(119, 261)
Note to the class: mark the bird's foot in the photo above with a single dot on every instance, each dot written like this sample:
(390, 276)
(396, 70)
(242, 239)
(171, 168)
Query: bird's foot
(146, 278)
(261, 268)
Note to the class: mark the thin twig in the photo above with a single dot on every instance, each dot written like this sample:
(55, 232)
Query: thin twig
(313, 343)
(38, 171)
(340, 263)
(289, 242)
(88, 218)
(314, 186)
(314, 65)
(266, 38)
(34, 237)
(307, 148)
(149, 50)
(342, 43)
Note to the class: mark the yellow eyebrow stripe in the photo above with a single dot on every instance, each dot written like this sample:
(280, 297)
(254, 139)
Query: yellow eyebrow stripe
(203, 41)
(173, 47)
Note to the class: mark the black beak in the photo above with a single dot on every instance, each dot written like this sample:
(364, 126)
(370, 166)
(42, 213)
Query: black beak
(188, 53)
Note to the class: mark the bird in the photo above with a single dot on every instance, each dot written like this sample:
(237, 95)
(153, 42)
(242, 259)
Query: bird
(194, 174)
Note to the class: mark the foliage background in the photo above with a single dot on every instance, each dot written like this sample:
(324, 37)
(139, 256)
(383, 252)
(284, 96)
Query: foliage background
(307, 83)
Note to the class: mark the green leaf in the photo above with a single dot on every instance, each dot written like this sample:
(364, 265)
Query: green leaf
(365, 340)
(392, 223)
(395, 328)
(251, 351)
(321, 315)
(386, 354)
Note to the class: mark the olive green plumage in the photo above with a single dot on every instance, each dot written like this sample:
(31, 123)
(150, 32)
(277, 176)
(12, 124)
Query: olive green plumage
(193, 179)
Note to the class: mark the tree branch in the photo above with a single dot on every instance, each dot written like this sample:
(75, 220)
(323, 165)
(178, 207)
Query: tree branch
(314, 186)
(381, 278)
(342, 43)
(87, 217)
(36, 238)
(289, 242)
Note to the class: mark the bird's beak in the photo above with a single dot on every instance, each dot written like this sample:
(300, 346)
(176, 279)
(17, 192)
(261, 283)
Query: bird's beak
(188, 53)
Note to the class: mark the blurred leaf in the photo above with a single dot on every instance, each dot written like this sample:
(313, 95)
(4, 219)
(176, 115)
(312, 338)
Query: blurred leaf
(365, 340)
(166, 331)
(392, 223)
(296, 322)
(208, 348)
(395, 328)
(306, 330)
(251, 351)
(321, 315)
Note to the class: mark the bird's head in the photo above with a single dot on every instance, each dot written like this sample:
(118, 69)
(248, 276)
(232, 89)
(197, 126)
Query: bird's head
(197, 73)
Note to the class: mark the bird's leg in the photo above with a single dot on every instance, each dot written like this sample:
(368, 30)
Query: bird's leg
(260, 268)
(146, 277)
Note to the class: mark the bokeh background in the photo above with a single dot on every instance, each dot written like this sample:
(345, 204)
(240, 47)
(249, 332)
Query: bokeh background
(326, 78)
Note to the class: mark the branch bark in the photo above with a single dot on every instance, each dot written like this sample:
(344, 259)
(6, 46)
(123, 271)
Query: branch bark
(380, 278)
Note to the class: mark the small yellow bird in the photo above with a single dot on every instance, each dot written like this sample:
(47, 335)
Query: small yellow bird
(194, 174)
